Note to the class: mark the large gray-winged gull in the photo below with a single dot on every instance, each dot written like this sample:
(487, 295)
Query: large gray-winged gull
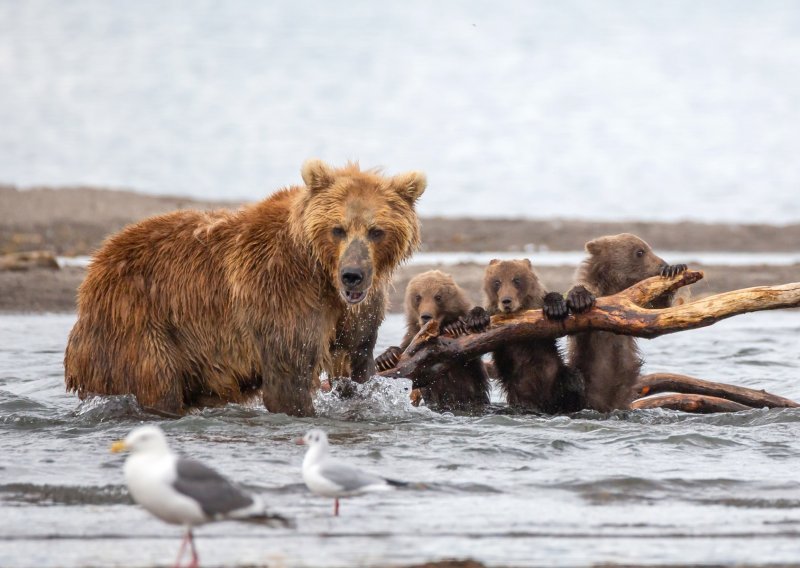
(328, 477)
(183, 491)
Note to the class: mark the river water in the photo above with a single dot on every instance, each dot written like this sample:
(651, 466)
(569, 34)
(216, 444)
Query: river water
(645, 487)
(617, 110)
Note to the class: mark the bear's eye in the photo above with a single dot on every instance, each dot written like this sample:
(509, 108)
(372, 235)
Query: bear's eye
(640, 253)
(438, 297)
(375, 234)
(418, 298)
(339, 233)
(496, 285)
(517, 281)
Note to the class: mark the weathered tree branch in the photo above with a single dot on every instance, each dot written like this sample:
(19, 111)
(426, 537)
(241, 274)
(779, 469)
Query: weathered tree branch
(624, 313)
(656, 383)
(696, 403)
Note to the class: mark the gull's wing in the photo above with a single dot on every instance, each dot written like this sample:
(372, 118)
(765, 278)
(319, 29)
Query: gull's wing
(215, 494)
(348, 477)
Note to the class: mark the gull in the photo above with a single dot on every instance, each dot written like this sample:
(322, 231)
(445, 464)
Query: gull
(328, 477)
(183, 491)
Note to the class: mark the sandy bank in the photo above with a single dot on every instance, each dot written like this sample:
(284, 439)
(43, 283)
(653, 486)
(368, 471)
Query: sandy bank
(74, 221)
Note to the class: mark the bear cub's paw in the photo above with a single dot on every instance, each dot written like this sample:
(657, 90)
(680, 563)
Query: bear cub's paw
(554, 307)
(579, 299)
(670, 270)
(476, 321)
(388, 359)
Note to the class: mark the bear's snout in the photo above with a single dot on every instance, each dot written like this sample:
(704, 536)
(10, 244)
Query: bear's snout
(425, 318)
(355, 274)
(352, 277)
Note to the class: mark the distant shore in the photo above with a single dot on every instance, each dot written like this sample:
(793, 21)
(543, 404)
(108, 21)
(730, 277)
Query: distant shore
(74, 221)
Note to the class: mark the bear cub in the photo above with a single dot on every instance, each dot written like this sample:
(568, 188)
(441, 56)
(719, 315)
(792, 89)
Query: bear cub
(532, 373)
(434, 295)
(611, 363)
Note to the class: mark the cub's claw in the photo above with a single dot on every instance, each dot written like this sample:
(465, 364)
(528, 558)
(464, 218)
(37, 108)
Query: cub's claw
(670, 270)
(456, 329)
(579, 299)
(555, 308)
(388, 359)
(476, 321)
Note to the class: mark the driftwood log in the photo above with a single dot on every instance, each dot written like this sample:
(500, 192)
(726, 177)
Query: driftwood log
(624, 313)
(656, 383)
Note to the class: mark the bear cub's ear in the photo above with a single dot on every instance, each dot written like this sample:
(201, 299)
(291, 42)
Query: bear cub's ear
(597, 245)
(410, 185)
(317, 175)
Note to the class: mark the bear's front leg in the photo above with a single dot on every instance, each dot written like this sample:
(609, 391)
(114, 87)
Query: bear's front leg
(288, 380)
(362, 362)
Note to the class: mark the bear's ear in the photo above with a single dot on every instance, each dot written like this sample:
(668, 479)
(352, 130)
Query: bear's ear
(597, 245)
(410, 185)
(529, 263)
(317, 175)
(494, 261)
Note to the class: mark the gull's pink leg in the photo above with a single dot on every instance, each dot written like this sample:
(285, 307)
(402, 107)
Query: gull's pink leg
(336, 507)
(195, 560)
(182, 548)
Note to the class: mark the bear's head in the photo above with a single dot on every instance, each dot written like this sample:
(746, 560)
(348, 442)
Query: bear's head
(434, 295)
(510, 286)
(617, 262)
(360, 225)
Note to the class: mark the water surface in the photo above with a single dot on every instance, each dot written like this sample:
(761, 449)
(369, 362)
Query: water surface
(645, 487)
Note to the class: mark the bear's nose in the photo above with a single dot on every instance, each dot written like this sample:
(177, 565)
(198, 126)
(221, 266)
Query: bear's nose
(352, 276)
(506, 301)
(425, 318)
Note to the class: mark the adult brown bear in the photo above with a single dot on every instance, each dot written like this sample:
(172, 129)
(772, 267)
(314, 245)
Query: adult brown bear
(193, 308)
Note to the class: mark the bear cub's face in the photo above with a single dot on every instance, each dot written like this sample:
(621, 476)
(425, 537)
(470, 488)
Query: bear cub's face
(360, 224)
(510, 285)
(434, 295)
(622, 261)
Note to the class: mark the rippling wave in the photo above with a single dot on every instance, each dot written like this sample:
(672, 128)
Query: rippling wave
(707, 488)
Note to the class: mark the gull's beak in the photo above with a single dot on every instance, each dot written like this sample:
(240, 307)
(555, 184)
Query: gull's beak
(300, 441)
(118, 446)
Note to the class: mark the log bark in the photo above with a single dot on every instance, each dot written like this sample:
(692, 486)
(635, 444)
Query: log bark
(656, 383)
(695, 403)
(624, 313)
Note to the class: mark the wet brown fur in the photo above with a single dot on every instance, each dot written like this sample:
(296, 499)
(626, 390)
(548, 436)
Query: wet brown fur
(436, 294)
(611, 363)
(532, 373)
(194, 308)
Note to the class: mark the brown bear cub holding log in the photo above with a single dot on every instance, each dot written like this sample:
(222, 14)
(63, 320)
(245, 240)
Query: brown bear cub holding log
(532, 373)
(434, 295)
(193, 308)
(611, 363)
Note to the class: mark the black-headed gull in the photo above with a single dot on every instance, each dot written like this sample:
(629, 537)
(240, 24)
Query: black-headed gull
(328, 477)
(183, 491)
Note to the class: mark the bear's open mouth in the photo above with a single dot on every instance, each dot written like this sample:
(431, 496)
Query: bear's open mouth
(353, 296)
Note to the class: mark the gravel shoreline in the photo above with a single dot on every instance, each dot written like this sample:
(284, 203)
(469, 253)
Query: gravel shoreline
(74, 221)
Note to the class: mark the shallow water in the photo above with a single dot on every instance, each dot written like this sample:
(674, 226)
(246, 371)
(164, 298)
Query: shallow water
(645, 487)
